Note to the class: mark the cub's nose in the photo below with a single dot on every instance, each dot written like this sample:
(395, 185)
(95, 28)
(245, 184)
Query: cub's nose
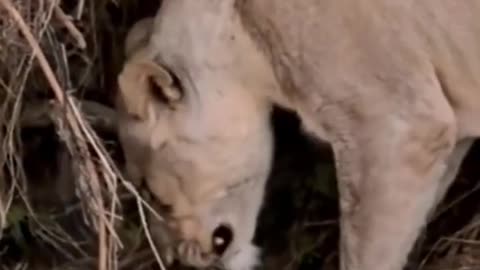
(222, 238)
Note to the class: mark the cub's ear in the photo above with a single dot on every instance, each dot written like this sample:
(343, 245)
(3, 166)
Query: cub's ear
(144, 83)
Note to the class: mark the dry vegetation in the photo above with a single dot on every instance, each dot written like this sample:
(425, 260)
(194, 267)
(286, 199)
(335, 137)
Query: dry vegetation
(63, 202)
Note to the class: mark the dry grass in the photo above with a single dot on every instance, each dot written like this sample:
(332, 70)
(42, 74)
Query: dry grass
(41, 49)
(63, 201)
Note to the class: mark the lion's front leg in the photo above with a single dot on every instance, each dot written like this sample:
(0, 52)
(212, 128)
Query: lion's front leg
(390, 170)
(389, 179)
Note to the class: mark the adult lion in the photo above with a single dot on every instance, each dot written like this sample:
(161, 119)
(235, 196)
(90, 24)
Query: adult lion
(393, 86)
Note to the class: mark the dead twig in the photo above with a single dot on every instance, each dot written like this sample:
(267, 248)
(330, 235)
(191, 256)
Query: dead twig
(37, 115)
(37, 51)
(60, 96)
(72, 29)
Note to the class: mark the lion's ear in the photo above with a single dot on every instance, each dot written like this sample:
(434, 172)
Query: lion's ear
(138, 36)
(143, 84)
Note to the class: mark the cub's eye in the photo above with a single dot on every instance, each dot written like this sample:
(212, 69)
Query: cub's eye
(222, 237)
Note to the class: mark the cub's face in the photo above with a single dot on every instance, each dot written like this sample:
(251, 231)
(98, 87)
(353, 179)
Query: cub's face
(205, 159)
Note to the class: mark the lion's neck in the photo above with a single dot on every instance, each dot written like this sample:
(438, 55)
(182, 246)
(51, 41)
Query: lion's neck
(213, 47)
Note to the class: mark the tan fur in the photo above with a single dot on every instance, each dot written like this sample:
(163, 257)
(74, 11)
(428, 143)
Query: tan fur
(394, 86)
(137, 36)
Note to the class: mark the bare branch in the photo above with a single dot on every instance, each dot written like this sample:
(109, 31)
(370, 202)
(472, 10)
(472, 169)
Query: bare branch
(40, 115)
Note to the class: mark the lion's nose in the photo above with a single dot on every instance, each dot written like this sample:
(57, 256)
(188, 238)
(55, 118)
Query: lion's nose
(188, 228)
(222, 238)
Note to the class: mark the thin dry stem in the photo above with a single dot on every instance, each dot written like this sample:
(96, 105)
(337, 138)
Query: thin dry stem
(79, 136)
(67, 21)
(149, 237)
(37, 51)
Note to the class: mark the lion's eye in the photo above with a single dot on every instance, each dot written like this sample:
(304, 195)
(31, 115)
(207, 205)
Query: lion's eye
(165, 208)
(222, 237)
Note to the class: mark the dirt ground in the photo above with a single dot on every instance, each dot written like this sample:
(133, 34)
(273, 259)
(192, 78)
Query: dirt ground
(62, 202)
